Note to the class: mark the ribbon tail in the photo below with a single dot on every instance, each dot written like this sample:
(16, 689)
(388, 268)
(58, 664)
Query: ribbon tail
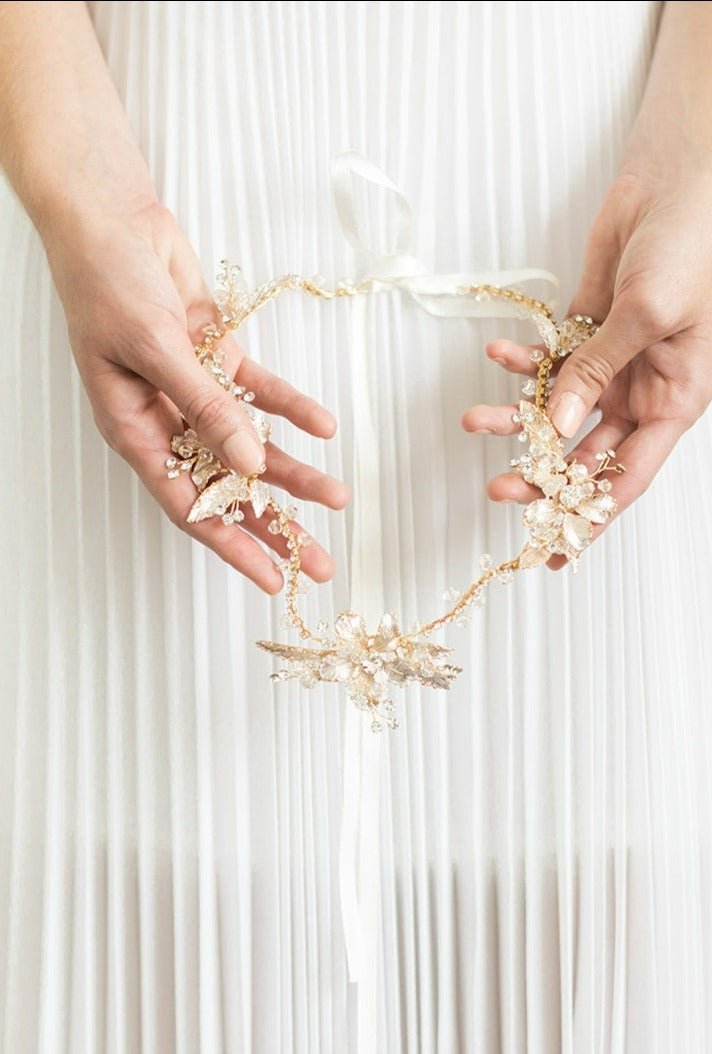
(360, 866)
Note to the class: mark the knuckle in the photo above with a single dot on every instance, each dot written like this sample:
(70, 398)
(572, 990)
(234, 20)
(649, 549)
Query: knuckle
(208, 412)
(144, 346)
(159, 342)
(163, 215)
(593, 371)
(650, 308)
(114, 432)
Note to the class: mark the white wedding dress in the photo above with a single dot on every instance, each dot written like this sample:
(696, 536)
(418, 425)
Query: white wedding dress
(536, 873)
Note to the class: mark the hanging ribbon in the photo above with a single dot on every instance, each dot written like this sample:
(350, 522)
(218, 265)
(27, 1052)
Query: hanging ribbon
(439, 295)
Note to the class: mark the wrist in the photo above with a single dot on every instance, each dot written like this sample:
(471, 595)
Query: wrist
(58, 211)
(656, 165)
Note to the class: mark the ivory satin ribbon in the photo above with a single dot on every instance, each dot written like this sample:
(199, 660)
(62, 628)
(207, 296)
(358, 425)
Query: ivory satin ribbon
(438, 294)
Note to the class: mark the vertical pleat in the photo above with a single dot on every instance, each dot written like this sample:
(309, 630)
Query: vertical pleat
(169, 825)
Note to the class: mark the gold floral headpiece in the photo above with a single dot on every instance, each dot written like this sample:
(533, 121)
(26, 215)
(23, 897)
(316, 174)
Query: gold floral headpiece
(367, 663)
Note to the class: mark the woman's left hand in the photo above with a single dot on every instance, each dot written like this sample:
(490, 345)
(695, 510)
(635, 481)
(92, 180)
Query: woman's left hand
(647, 278)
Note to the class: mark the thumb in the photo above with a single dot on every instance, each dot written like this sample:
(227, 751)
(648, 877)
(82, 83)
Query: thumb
(588, 370)
(218, 418)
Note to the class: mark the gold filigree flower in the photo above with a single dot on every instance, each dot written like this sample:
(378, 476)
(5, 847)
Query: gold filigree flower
(367, 664)
(574, 499)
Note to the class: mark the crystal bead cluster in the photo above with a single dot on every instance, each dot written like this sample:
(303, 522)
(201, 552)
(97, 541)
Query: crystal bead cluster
(574, 499)
(369, 664)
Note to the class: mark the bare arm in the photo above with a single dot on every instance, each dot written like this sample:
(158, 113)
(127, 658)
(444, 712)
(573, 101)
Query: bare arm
(65, 142)
(131, 285)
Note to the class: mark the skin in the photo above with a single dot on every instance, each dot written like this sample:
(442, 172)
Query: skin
(646, 277)
(132, 324)
(132, 288)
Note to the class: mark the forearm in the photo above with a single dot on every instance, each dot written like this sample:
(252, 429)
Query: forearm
(65, 142)
(673, 130)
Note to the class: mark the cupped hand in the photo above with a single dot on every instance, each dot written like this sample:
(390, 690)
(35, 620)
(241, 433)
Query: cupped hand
(646, 278)
(136, 303)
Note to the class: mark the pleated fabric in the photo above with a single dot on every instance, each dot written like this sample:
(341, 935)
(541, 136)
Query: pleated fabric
(169, 823)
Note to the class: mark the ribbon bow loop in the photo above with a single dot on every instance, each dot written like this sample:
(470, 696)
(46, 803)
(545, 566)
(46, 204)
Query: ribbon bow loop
(387, 267)
(443, 295)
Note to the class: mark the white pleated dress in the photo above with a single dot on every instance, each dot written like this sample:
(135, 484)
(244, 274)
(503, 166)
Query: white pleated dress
(171, 823)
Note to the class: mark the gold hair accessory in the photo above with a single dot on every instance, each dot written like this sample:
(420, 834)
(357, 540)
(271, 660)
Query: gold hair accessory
(367, 663)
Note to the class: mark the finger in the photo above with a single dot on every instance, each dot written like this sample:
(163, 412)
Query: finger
(510, 487)
(588, 370)
(230, 543)
(274, 395)
(516, 358)
(491, 420)
(218, 418)
(303, 481)
(642, 454)
(143, 440)
(608, 434)
(315, 560)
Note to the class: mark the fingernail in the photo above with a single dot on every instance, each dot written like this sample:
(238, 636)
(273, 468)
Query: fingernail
(484, 431)
(499, 359)
(568, 413)
(244, 453)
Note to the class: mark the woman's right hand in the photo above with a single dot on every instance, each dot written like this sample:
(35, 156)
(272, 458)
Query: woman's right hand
(136, 303)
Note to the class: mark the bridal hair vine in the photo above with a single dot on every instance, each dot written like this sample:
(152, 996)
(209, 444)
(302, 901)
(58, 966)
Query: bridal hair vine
(367, 663)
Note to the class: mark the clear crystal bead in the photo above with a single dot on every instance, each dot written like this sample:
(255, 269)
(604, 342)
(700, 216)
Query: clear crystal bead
(173, 473)
(273, 527)
(171, 462)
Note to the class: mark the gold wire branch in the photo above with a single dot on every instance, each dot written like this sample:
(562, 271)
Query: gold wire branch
(367, 664)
